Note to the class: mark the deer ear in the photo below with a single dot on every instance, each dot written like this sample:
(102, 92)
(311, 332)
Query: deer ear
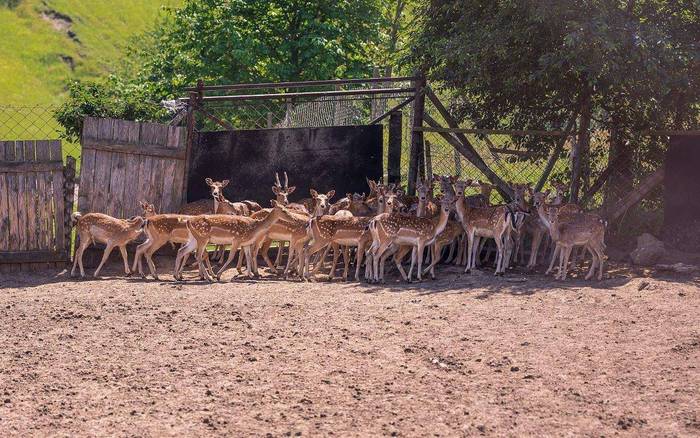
(209, 181)
(224, 183)
(275, 190)
(291, 189)
(547, 192)
(330, 194)
(314, 193)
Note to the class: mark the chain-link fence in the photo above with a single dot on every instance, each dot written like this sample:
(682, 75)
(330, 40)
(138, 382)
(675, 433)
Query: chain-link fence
(34, 122)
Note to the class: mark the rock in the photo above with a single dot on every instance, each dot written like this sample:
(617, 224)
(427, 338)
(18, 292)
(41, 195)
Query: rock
(649, 250)
(680, 268)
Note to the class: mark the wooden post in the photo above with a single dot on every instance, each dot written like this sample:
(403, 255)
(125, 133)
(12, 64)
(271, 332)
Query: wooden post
(428, 162)
(394, 152)
(416, 136)
(555, 153)
(269, 119)
(191, 104)
(68, 197)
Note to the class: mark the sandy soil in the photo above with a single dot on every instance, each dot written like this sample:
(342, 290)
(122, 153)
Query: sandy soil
(463, 355)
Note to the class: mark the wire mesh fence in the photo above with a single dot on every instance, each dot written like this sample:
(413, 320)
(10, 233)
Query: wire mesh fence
(34, 122)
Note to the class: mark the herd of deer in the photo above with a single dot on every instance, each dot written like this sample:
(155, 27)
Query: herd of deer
(385, 223)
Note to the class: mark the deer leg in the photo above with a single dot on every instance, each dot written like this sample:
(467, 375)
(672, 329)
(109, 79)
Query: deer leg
(264, 251)
(280, 248)
(336, 254)
(555, 253)
(105, 255)
(250, 264)
(398, 258)
(601, 260)
(140, 249)
(499, 254)
(78, 257)
(535, 248)
(229, 259)
(122, 250)
(472, 244)
(566, 262)
(182, 255)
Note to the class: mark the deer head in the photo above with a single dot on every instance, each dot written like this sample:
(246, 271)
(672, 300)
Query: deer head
(148, 209)
(519, 191)
(282, 191)
(539, 198)
(217, 188)
(423, 191)
(321, 201)
(461, 186)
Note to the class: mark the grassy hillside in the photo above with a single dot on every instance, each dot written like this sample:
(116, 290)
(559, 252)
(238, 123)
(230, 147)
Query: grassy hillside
(46, 42)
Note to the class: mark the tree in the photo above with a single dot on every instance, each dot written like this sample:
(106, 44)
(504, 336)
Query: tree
(223, 42)
(623, 67)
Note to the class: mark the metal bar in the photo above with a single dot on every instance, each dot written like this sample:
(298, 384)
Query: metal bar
(465, 146)
(298, 84)
(414, 168)
(690, 132)
(396, 108)
(492, 131)
(394, 152)
(371, 91)
(190, 139)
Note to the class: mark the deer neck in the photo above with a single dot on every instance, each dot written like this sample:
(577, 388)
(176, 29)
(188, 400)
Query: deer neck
(420, 212)
(462, 208)
(441, 222)
(543, 217)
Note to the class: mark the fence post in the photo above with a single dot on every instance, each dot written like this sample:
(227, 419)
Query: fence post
(68, 198)
(416, 136)
(580, 152)
(191, 103)
(394, 153)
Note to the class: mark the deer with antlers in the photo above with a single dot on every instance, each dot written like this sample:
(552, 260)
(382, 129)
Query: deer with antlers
(238, 231)
(292, 231)
(101, 228)
(396, 229)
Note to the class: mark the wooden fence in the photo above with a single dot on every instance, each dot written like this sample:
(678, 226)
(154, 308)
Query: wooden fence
(35, 204)
(124, 162)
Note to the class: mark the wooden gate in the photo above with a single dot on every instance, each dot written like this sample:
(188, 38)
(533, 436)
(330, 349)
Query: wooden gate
(35, 205)
(124, 162)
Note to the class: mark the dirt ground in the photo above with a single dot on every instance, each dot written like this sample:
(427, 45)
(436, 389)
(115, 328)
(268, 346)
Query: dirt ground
(462, 355)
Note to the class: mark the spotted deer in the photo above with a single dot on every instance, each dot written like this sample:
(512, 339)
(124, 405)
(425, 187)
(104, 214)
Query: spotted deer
(101, 228)
(492, 222)
(398, 229)
(292, 231)
(159, 230)
(238, 231)
(577, 229)
(205, 206)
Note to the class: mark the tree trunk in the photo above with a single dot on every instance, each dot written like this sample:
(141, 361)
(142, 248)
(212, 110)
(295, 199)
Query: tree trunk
(580, 165)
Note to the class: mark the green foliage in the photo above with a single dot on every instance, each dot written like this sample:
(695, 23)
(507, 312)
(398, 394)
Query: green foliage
(9, 3)
(112, 98)
(250, 40)
(523, 64)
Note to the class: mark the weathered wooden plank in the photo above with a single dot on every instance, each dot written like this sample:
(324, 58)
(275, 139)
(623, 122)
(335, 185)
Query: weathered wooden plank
(4, 213)
(4, 207)
(90, 128)
(58, 211)
(131, 184)
(145, 168)
(22, 196)
(13, 234)
(87, 174)
(43, 153)
(32, 200)
(115, 204)
(24, 167)
(156, 190)
(101, 179)
(15, 257)
(176, 137)
(69, 197)
(139, 149)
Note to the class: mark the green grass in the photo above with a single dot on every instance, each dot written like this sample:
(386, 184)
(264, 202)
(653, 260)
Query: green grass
(34, 67)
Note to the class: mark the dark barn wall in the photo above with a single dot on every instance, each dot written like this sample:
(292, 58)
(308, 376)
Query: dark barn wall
(682, 193)
(336, 158)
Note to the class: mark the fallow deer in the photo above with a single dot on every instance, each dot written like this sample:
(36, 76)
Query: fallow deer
(159, 230)
(205, 206)
(238, 231)
(98, 227)
(389, 229)
(577, 229)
